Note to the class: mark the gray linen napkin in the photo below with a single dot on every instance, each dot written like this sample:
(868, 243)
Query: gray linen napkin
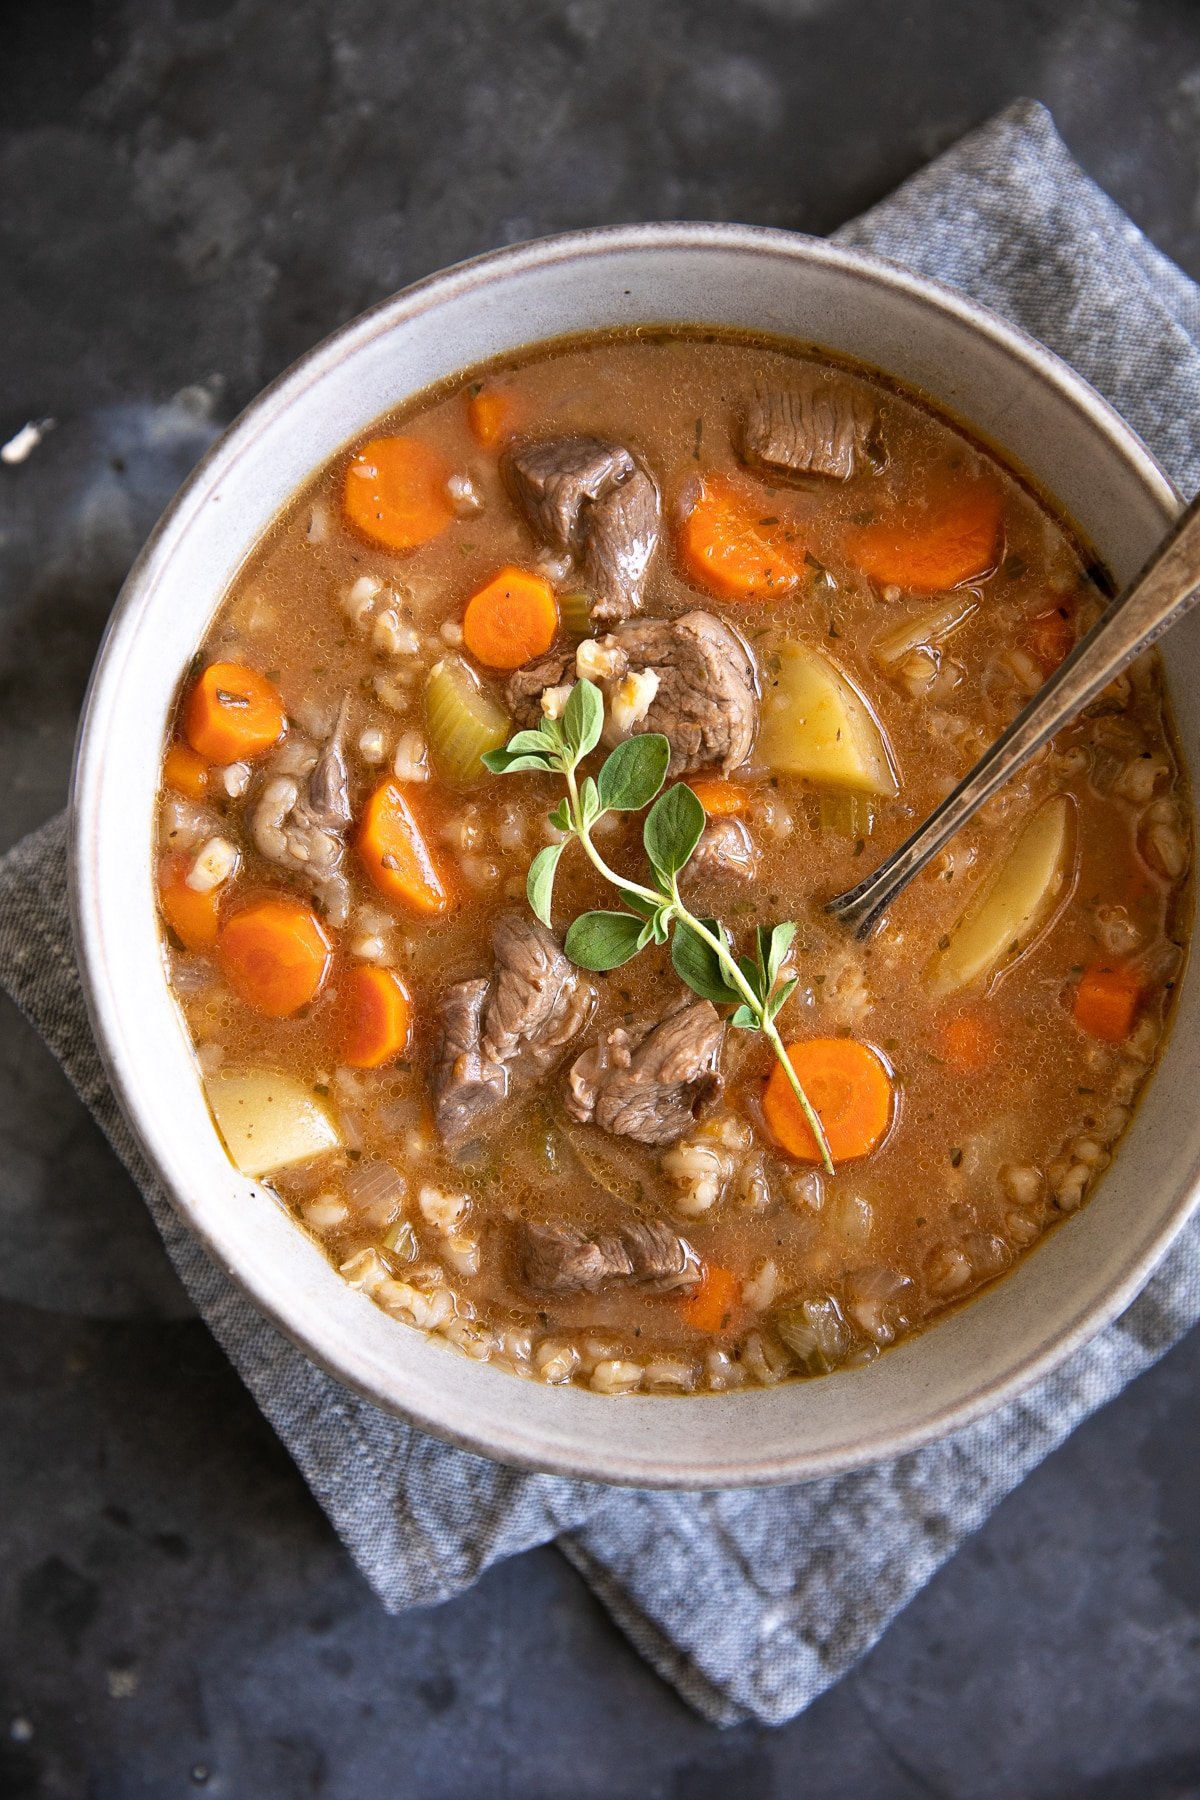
(751, 1603)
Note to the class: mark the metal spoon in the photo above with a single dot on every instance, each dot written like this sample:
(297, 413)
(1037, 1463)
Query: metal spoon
(1167, 588)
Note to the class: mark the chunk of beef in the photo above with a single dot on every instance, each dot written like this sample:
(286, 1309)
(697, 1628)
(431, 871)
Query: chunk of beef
(650, 1082)
(726, 848)
(495, 1032)
(526, 686)
(299, 817)
(706, 701)
(645, 1254)
(595, 500)
(467, 1085)
(817, 425)
(706, 705)
(538, 1001)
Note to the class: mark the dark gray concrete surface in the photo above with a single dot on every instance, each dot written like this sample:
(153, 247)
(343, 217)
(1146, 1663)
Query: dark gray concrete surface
(191, 192)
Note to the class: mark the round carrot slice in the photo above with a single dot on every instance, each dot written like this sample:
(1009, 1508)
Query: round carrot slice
(711, 1307)
(396, 855)
(731, 543)
(511, 620)
(275, 955)
(231, 713)
(850, 1090)
(374, 1015)
(192, 916)
(395, 492)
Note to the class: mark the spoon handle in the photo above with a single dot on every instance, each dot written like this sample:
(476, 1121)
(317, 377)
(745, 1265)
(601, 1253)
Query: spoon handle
(1167, 588)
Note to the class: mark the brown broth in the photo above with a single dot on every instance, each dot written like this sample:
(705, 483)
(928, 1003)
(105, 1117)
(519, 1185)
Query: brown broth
(977, 1164)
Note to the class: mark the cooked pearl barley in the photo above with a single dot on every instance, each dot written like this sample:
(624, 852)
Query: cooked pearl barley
(411, 761)
(326, 1212)
(372, 746)
(1022, 1183)
(441, 1210)
(616, 1377)
(358, 600)
(762, 1287)
(371, 949)
(391, 637)
(365, 1271)
(235, 779)
(698, 1169)
(554, 701)
(598, 662)
(554, 1362)
(464, 496)
(462, 1253)
(451, 632)
(631, 700)
(427, 1311)
(215, 862)
(670, 1373)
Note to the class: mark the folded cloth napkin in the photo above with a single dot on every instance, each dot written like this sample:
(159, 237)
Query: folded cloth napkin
(751, 1603)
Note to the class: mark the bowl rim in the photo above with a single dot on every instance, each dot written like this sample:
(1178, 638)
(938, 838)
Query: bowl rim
(509, 1443)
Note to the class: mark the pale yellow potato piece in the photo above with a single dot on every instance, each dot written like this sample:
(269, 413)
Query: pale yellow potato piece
(1023, 894)
(815, 723)
(269, 1121)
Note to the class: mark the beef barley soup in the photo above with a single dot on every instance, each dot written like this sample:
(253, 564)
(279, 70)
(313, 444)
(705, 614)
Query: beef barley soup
(497, 819)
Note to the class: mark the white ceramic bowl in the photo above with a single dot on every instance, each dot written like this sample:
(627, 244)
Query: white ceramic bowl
(1014, 394)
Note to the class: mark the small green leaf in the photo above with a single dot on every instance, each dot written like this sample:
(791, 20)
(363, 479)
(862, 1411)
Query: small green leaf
(779, 943)
(560, 818)
(745, 1020)
(530, 741)
(634, 772)
(603, 940)
(589, 803)
(636, 903)
(753, 974)
(539, 883)
(699, 965)
(672, 830)
(661, 924)
(583, 718)
(779, 1000)
(503, 762)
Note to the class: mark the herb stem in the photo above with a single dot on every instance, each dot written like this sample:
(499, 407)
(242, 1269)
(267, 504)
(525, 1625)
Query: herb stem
(767, 1026)
(582, 832)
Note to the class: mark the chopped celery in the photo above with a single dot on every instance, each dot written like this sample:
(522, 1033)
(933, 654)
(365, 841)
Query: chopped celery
(846, 814)
(575, 614)
(462, 720)
(400, 1242)
(932, 627)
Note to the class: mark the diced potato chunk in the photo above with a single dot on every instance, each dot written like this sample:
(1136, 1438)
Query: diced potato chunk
(1014, 908)
(269, 1121)
(815, 723)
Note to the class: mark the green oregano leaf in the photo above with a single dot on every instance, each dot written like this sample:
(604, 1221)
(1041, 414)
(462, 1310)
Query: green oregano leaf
(503, 762)
(698, 964)
(531, 741)
(634, 772)
(603, 940)
(589, 803)
(539, 883)
(744, 1019)
(560, 818)
(672, 830)
(779, 1000)
(583, 719)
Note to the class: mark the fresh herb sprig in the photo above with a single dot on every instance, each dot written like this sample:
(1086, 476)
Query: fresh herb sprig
(701, 950)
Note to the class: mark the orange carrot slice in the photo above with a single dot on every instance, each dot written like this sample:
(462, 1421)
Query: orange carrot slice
(948, 535)
(850, 1090)
(511, 620)
(395, 492)
(719, 796)
(193, 917)
(1107, 1002)
(1050, 638)
(232, 713)
(185, 771)
(970, 1042)
(275, 954)
(397, 857)
(711, 1306)
(491, 416)
(731, 543)
(374, 1017)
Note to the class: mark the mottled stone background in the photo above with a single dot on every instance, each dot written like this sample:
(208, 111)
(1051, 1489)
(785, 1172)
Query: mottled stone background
(192, 192)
